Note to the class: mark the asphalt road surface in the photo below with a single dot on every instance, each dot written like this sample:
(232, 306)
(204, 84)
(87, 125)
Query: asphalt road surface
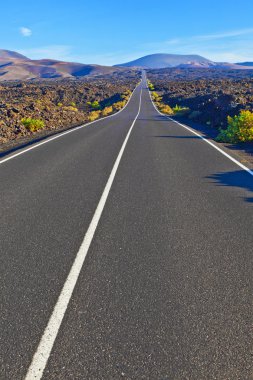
(166, 289)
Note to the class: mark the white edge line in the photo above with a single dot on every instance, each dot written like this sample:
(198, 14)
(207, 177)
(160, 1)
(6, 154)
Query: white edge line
(66, 132)
(45, 346)
(204, 139)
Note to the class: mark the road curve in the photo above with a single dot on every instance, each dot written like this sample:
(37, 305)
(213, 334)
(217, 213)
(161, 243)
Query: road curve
(165, 291)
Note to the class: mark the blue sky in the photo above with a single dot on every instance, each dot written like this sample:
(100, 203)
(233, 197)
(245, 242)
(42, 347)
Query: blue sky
(110, 32)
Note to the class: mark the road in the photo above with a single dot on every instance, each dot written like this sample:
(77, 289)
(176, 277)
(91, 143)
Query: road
(165, 290)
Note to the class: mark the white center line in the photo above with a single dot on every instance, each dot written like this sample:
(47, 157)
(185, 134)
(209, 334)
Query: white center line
(44, 349)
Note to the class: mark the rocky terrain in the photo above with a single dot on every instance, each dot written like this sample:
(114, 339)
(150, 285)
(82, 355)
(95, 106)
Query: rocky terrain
(184, 73)
(59, 104)
(210, 99)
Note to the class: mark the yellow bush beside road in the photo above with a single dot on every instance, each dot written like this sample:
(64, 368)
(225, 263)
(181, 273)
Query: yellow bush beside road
(119, 105)
(33, 125)
(126, 95)
(239, 129)
(164, 108)
(94, 115)
(107, 111)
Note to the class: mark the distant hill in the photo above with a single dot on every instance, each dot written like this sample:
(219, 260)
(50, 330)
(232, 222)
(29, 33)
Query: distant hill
(15, 66)
(245, 63)
(160, 61)
(9, 54)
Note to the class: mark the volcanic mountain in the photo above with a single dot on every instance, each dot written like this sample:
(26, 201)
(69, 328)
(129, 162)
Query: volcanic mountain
(245, 63)
(15, 66)
(160, 61)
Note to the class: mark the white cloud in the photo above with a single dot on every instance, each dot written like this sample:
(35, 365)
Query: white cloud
(232, 45)
(218, 36)
(173, 41)
(26, 32)
(209, 37)
(226, 56)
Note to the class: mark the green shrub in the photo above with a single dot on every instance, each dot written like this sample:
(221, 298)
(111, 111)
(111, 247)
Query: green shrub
(33, 125)
(239, 129)
(181, 111)
(151, 86)
(95, 105)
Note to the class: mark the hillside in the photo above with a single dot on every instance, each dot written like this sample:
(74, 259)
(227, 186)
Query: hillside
(155, 61)
(160, 61)
(245, 63)
(15, 66)
(9, 54)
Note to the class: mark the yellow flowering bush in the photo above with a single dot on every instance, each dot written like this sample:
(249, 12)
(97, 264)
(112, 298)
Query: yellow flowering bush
(164, 108)
(239, 129)
(94, 115)
(33, 125)
(106, 111)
